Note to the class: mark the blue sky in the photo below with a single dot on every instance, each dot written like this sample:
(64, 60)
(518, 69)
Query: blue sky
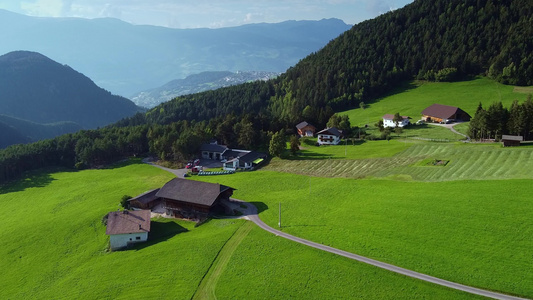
(206, 13)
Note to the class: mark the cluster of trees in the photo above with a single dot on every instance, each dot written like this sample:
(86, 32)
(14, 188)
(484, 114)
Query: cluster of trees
(496, 120)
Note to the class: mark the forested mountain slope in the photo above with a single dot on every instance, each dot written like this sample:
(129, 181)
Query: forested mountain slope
(434, 40)
(35, 88)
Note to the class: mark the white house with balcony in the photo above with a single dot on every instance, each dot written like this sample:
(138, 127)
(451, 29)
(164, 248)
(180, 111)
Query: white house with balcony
(329, 136)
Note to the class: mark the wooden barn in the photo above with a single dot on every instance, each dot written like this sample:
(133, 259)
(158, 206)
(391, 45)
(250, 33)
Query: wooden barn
(443, 114)
(191, 199)
(145, 201)
(511, 140)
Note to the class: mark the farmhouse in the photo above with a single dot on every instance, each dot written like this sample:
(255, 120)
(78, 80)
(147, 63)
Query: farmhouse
(127, 227)
(306, 129)
(212, 151)
(191, 199)
(329, 136)
(244, 161)
(444, 114)
(388, 121)
(145, 201)
(511, 140)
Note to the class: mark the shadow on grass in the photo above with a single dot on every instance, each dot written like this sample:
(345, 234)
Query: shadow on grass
(31, 179)
(261, 207)
(160, 231)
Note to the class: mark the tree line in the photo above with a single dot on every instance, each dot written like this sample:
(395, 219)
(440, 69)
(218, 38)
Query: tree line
(497, 120)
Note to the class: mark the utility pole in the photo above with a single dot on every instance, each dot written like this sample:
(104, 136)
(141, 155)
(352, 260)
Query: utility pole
(279, 216)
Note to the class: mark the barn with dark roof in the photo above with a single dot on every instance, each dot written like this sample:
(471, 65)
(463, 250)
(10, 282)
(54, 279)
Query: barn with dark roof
(444, 113)
(191, 199)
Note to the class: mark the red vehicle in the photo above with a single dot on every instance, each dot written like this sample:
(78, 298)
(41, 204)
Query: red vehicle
(188, 166)
(196, 169)
(196, 162)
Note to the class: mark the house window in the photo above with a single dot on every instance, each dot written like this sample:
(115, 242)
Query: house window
(137, 238)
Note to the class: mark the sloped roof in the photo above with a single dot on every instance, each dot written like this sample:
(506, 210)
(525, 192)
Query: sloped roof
(250, 157)
(235, 153)
(391, 117)
(197, 192)
(147, 197)
(442, 111)
(331, 131)
(124, 222)
(213, 148)
(303, 124)
(512, 137)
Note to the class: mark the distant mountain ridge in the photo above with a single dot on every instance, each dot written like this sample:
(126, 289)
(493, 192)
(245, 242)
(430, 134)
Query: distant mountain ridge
(197, 83)
(126, 58)
(36, 89)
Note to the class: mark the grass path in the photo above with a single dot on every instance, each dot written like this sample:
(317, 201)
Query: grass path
(206, 288)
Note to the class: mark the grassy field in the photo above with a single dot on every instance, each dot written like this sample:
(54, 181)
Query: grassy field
(414, 97)
(269, 267)
(54, 247)
(472, 232)
(54, 244)
(467, 161)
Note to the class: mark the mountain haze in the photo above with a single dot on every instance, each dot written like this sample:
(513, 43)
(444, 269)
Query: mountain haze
(197, 83)
(126, 59)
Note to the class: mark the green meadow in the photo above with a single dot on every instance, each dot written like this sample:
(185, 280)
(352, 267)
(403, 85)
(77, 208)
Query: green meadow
(54, 247)
(476, 232)
(413, 97)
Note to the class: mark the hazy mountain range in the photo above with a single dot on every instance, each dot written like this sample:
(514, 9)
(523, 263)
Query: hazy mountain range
(197, 83)
(126, 59)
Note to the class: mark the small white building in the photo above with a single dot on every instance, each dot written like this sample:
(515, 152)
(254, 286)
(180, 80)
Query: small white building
(246, 161)
(388, 121)
(329, 136)
(127, 227)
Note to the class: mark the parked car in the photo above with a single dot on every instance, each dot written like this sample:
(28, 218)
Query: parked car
(196, 162)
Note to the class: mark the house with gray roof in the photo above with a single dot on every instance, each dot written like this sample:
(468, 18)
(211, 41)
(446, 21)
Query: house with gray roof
(127, 227)
(329, 136)
(212, 151)
(245, 161)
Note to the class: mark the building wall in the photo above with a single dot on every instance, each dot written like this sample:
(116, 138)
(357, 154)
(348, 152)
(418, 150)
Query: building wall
(391, 123)
(324, 139)
(117, 241)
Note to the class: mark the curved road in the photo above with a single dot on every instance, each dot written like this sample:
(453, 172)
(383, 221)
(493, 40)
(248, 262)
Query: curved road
(251, 214)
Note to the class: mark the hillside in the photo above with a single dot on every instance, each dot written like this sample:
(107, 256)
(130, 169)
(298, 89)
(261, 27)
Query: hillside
(40, 90)
(197, 83)
(434, 40)
(10, 136)
(126, 59)
(32, 132)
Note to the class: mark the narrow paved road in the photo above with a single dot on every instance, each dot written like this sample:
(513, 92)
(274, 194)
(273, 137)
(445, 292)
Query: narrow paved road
(450, 126)
(251, 214)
